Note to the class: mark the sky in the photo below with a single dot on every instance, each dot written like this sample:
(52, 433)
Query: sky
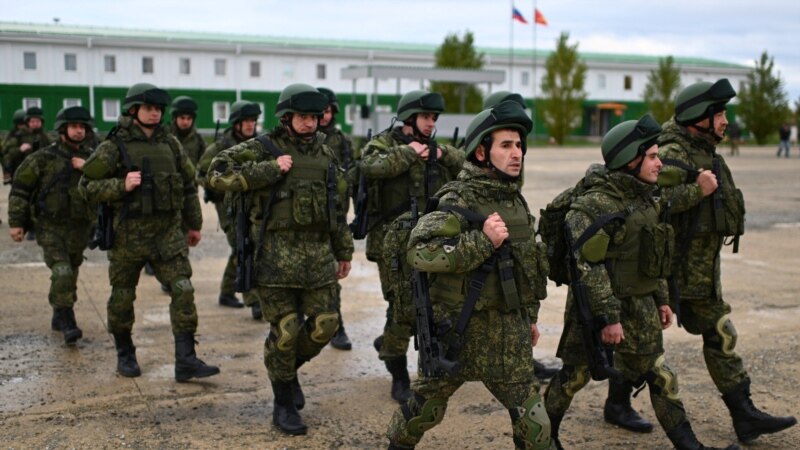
(736, 31)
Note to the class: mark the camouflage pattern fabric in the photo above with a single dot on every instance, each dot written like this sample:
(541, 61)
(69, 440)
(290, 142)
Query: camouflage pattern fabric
(336, 140)
(13, 156)
(698, 275)
(193, 144)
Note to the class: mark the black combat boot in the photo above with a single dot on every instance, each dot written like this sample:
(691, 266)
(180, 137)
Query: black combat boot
(748, 421)
(284, 413)
(542, 372)
(340, 340)
(56, 323)
(127, 366)
(555, 424)
(186, 363)
(618, 410)
(230, 301)
(69, 327)
(683, 438)
(255, 310)
(401, 384)
(297, 391)
(397, 447)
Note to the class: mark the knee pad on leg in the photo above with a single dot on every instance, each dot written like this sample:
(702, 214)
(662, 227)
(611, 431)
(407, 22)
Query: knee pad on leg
(531, 424)
(62, 276)
(182, 286)
(572, 379)
(722, 337)
(423, 414)
(323, 327)
(286, 332)
(662, 380)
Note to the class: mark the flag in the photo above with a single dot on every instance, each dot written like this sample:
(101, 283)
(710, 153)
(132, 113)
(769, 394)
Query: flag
(538, 17)
(516, 15)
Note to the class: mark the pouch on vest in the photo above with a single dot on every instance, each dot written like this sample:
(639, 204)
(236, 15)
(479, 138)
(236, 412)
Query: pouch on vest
(533, 263)
(734, 213)
(309, 203)
(656, 250)
(167, 191)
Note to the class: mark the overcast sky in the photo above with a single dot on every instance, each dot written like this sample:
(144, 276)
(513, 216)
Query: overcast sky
(736, 31)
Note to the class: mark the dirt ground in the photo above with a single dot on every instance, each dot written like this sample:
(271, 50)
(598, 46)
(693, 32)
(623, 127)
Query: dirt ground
(54, 396)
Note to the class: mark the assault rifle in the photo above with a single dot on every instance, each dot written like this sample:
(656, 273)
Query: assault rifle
(104, 231)
(360, 224)
(244, 247)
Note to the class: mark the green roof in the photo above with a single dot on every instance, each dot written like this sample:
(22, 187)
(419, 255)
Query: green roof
(301, 42)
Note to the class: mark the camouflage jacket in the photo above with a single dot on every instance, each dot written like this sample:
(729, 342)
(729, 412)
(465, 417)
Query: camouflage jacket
(226, 141)
(285, 258)
(193, 144)
(13, 156)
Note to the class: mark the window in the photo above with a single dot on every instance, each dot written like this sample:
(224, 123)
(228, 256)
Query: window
(220, 111)
(526, 78)
(601, 81)
(320, 71)
(70, 62)
(70, 102)
(29, 60)
(110, 109)
(255, 69)
(628, 82)
(31, 102)
(184, 66)
(110, 63)
(147, 64)
(219, 67)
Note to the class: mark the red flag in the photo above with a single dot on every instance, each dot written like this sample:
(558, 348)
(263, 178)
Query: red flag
(538, 17)
(516, 15)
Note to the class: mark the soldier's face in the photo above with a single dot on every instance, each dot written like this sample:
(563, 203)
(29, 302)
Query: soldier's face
(327, 115)
(247, 128)
(34, 123)
(651, 165)
(720, 123)
(184, 121)
(149, 114)
(426, 122)
(304, 123)
(76, 131)
(506, 153)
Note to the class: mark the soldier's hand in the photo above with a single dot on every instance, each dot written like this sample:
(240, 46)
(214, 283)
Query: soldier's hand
(132, 181)
(612, 334)
(665, 315)
(707, 181)
(343, 270)
(77, 163)
(534, 335)
(25, 147)
(495, 229)
(420, 148)
(284, 163)
(17, 233)
(193, 237)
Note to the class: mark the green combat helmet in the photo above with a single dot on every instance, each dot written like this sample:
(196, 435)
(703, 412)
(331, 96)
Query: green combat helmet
(141, 93)
(702, 100)
(623, 143)
(34, 111)
(333, 102)
(243, 109)
(419, 101)
(183, 105)
(504, 115)
(73, 114)
(302, 99)
(19, 117)
(503, 96)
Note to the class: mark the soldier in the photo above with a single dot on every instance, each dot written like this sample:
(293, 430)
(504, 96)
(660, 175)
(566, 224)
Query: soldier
(624, 282)
(502, 326)
(45, 195)
(302, 242)
(143, 172)
(30, 139)
(16, 130)
(396, 165)
(343, 149)
(242, 119)
(184, 115)
(707, 208)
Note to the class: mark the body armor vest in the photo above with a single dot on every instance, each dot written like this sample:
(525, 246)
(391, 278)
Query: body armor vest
(59, 197)
(162, 187)
(731, 221)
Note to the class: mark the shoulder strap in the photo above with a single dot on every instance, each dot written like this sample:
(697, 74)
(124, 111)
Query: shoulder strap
(276, 152)
(123, 151)
(471, 216)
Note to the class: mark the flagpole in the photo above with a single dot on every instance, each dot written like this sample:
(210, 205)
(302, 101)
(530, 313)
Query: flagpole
(511, 50)
(535, 79)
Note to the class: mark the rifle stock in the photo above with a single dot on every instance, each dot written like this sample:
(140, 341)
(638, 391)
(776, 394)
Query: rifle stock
(360, 225)
(244, 248)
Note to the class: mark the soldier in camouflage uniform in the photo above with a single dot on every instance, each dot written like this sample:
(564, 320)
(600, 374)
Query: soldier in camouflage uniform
(30, 139)
(182, 126)
(688, 147)
(142, 171)
(45, 196)
(395, 164)
(451, 248)
(16, 130)
(343, 149)
(624, 281)
(302, 242)
(242, 119)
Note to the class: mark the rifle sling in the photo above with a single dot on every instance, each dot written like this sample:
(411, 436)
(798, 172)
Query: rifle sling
(276, 152)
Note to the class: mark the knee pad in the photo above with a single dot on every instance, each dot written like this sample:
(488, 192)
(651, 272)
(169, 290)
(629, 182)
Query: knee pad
(323, 327)
(423, 415)
(62, 276)
(722, 337)
(181, 286)
(662, 380)
(573, 379)
(531, 424)
(286, 332)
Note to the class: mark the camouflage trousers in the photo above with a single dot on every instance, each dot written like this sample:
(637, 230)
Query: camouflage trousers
(396, 333)
(302, 322)
(123, 274)
(709, 317)
(63, 255)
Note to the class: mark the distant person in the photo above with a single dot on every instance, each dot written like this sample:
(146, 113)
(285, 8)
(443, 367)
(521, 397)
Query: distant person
(18, 125)
(783, 146)
(734, 133)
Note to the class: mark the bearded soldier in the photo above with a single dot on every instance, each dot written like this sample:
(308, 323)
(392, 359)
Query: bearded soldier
(45, 196)
(302, 244)
(142, 171)
(450, 245)
(242, 119)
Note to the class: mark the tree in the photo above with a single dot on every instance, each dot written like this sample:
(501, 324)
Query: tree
(458, 53)
(663, 84)
(762, 102)
(562, 88)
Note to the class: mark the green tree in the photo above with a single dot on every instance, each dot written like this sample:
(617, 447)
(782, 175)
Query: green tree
(762, 102)
(663, 84)
(459, 53)
(562, 89)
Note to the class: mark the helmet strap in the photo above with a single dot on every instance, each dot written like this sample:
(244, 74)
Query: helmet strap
(150, 126)
(286, 119)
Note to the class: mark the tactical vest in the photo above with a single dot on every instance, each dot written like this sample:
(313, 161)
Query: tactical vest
(59, 197)
(729, 222)
(163, 190)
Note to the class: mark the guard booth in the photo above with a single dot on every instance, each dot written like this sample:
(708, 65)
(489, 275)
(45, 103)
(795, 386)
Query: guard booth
(369, 116)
